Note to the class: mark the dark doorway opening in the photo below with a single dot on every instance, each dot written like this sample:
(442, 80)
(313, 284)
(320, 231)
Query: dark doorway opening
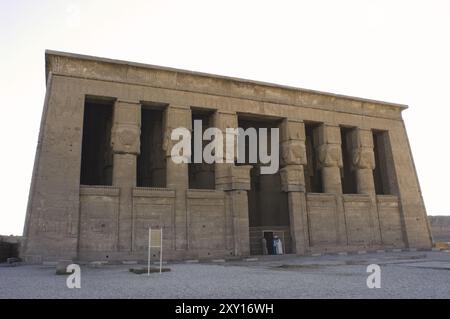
(267, 203)
(268, 236)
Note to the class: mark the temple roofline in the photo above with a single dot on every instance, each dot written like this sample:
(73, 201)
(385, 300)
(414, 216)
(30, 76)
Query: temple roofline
(49, 53)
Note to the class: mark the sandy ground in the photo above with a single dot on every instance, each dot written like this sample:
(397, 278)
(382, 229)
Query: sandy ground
(403, 275)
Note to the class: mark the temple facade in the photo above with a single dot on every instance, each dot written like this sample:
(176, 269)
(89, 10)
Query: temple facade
(103, 171)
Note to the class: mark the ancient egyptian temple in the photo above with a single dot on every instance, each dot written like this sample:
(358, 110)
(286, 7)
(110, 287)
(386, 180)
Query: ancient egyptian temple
(103, 171)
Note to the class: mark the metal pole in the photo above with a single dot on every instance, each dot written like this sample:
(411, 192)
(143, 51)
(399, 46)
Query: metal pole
(149, 246)
(160, 253)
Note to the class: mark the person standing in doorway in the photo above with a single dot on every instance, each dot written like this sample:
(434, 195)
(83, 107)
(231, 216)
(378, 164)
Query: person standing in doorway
(277, 246)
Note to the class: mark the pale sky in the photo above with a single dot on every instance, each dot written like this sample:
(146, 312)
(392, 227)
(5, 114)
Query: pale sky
(397, 51)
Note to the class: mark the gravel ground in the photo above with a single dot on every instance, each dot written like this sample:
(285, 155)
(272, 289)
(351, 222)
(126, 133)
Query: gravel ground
(403, 275)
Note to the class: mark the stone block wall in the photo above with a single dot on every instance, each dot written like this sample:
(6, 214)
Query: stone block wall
(440, 228)
(66, 220)
(256, 235)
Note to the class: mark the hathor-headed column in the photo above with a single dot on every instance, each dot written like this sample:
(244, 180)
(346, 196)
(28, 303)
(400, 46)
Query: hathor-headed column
(125, 142)
(363, 162)
(224, 121)
(236, 187)
(177, 176)
(293, 157)
(235, 181)
(330, 158)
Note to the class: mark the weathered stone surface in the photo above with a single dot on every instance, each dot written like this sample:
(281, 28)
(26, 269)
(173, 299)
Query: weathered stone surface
(110, 222)
(292, 138)
(292, 130)
(329, 155)
(440, 228)
(293, 152)
(292, 178)
(362, 153)
(230, 177)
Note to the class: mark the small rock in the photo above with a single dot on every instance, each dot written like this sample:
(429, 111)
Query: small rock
(139, 271)
(61, 267)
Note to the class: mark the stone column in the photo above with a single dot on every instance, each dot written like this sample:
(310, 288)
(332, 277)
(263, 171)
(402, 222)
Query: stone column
(293, 157)
(363, 162)
(329, 157)
(125, 142)
(236, 193)
(235, 181)
(177, 176)
(223, 171)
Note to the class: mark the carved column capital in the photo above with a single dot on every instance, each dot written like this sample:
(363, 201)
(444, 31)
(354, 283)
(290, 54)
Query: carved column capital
(329, 155)
(292, 130)
(224, 121)
(363, 158)
(174, 117)
(329, 152)
(293, 152)
(292, 137)
(362, 154)
(126, 128)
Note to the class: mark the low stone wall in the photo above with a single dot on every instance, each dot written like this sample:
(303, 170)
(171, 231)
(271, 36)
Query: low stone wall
(440, 228)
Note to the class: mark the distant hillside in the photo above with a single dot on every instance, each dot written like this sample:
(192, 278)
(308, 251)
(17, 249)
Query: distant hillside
(440, 228)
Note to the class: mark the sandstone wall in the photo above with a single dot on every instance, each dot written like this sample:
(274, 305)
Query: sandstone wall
(440, 228)
(67, 220)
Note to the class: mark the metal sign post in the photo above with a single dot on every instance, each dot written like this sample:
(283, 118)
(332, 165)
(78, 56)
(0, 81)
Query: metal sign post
(155, 241)
(160, 254)
(149, 248)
